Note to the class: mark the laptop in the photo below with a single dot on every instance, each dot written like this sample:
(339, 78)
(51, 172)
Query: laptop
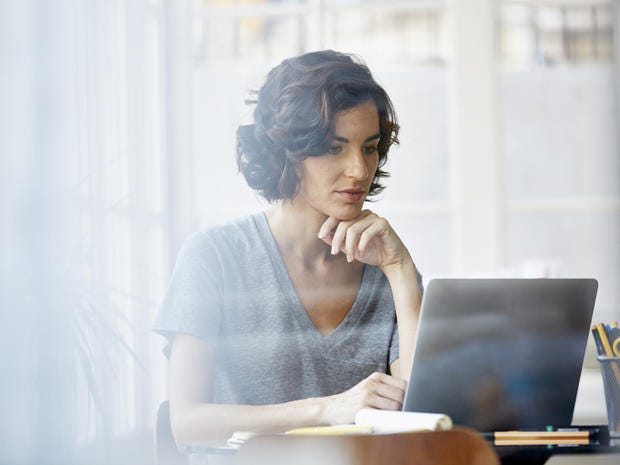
(501, 354)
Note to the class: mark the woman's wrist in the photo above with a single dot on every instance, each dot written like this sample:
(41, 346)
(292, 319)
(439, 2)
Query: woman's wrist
(402, 270)
(323, 407)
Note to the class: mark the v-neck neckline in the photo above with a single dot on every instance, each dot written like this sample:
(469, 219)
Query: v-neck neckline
(296, 306)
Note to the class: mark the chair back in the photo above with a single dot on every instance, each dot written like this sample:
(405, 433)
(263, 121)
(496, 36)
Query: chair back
(166, 451)
(459, 446)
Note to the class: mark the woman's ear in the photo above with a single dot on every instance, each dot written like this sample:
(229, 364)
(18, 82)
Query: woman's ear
(299, 170)
(292, 173)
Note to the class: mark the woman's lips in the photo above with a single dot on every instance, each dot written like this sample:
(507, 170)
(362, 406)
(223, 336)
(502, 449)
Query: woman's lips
(352, 195)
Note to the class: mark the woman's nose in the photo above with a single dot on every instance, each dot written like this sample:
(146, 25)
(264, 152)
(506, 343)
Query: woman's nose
(356, 167)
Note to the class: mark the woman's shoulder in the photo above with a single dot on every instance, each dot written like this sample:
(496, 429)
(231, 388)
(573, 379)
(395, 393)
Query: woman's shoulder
(236, 232)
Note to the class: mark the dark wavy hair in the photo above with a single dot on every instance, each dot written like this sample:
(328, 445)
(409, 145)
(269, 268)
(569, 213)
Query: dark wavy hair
(294, 119)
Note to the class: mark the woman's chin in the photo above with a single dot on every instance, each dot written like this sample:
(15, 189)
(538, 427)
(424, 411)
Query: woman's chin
(347, 214)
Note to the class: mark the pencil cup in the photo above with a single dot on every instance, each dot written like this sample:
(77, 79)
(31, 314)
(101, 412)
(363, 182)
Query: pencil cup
(610, 369)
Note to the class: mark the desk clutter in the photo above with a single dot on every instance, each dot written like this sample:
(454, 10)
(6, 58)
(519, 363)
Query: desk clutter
(367, 421)
(376, 433)
(383, 422)
(451, 446)
(607, 339)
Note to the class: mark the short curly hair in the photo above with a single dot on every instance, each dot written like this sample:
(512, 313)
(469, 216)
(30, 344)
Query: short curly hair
(294, 119)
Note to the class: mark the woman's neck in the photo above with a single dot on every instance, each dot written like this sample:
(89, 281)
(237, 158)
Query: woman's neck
(295, 230)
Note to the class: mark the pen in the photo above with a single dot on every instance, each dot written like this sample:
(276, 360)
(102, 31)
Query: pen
(329, 430)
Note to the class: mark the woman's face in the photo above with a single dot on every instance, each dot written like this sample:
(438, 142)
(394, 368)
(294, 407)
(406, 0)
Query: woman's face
(337, 182)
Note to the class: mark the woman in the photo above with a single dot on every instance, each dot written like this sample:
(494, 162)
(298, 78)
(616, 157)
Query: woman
(288, 318)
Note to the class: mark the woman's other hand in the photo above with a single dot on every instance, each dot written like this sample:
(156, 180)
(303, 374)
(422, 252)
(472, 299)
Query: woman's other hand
(378, 391)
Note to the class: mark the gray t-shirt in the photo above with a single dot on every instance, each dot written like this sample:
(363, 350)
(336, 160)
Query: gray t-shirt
(231, 288)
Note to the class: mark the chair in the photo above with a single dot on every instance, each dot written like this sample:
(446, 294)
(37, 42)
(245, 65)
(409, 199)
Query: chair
(453, 447)
(166, 451)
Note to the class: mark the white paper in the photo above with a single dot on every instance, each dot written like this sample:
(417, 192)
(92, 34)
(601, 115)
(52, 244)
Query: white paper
(239, 438)
(385, 421)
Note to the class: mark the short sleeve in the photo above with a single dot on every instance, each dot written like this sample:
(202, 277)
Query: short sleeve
(192, 303)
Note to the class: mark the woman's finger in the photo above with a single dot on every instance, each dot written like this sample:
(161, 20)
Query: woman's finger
(327, 226)
(340, 233)
(389, 380)
(353, 234)
(388, 395)
(383, 403)
(339, 236)
(374, 230)
(390, 392)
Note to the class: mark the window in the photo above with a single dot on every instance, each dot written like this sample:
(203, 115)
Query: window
(560, 143)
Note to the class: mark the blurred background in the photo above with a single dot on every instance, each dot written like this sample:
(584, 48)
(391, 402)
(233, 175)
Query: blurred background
(117, 141)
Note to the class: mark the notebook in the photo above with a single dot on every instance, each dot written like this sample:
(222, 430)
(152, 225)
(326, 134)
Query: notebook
(501, 354)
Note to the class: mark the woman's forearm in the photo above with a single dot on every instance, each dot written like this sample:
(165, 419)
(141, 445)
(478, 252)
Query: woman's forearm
(403, 279)
(212, 424)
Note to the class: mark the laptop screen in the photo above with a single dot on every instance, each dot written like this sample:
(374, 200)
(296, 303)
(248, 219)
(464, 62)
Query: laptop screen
(498, 354)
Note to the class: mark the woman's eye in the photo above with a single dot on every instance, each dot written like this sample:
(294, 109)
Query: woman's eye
(370, 149)
(335, 150)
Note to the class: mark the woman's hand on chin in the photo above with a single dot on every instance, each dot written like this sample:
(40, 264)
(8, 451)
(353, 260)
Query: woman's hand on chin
(368, 238)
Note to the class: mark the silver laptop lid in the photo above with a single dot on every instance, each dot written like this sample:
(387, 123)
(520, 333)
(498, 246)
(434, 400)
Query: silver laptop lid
(498, 354)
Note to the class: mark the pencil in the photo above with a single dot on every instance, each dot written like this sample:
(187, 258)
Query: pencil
(604, 341)
(329, 430)
(608, 351)
(534, 442)
(540, 435)
(597, 341)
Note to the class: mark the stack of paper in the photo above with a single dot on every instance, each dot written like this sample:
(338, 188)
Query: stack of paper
(239, 438)
(384, 421)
